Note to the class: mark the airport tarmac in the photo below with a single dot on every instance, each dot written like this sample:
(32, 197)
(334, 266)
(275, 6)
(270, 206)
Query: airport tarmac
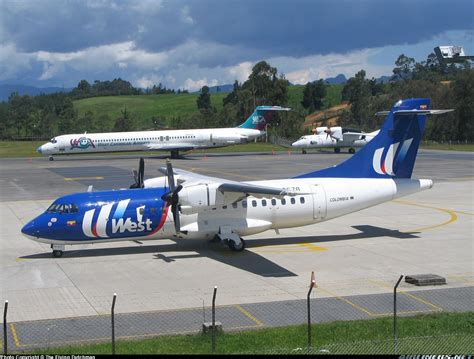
(359, 254)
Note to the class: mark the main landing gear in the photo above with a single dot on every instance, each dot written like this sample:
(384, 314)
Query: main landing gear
(352, 151)
(337, 150)
(233, 240)
(303, 152)
(175, 154)
(57, 250)
(51, 158)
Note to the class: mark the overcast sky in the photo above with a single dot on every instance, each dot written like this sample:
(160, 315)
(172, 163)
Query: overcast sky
(191, 43)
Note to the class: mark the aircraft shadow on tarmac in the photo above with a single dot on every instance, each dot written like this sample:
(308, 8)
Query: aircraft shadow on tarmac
(246, 260)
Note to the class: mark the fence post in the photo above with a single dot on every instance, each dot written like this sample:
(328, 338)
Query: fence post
(395, 334)
(113, 323)
(5, 337)
(311, 286)
(214, 320)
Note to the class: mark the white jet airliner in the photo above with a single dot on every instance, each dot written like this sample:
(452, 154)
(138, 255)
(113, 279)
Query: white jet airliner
(205, 207)
(173, 140)
(334, 137)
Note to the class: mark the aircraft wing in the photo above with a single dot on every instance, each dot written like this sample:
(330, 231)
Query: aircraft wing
(253, 190)
(231, 191)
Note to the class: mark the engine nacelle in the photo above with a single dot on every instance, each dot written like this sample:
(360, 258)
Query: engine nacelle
(199, 197)
(225, 139)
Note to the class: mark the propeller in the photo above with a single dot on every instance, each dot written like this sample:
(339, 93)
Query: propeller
(139, 175)
(328, 132)
(172, 197)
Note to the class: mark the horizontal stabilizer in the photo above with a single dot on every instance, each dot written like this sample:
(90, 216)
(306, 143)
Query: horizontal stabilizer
(414, 112)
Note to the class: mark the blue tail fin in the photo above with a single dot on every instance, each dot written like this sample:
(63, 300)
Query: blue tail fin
(392, 153)
(261, 116)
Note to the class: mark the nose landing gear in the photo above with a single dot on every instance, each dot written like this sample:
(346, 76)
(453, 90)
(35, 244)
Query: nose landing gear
(57, 250)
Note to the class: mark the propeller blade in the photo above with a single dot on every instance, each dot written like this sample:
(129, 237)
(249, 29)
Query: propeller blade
(141, 173)
(169, 170)
(177, 223)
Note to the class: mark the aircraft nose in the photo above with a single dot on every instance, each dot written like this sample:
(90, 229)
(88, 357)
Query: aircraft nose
(39, 149)
(30, 230)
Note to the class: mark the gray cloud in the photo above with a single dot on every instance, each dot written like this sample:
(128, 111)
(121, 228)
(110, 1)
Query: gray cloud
(170, 40)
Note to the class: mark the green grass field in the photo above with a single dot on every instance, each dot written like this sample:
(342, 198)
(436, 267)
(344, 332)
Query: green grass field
(434, 334)
(143, 108)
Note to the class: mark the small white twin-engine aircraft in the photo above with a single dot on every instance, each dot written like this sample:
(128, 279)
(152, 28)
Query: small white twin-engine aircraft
(169, 140)
(334, 137)
(213, 208)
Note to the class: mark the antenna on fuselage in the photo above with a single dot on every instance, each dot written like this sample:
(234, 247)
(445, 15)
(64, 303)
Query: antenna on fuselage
(89, 189)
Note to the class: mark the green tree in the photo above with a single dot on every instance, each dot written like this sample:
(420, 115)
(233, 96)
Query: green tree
(463, 92)
(358, 91)
(313, 95)
(404, 67)
(204, 99)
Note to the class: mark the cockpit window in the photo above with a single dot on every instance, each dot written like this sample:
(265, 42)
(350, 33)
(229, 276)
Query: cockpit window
(53, 140)
(302, 137)
(62, 208)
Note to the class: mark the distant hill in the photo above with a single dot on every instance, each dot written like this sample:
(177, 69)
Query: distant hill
(219, 89)
(338, 80)
(6, 90)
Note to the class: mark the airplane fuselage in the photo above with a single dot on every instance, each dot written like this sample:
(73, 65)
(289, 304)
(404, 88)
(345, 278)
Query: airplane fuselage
(172, 140)
(324, 141)
(124, 215)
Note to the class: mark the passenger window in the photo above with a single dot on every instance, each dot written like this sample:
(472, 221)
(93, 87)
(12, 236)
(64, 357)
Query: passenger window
(264, 203)
(254, 203)
(292, 200)
(283, 201)
(274, 202)
(141, 211)
(302, 200)
(234, 205)
(224, 207)
(244, 204)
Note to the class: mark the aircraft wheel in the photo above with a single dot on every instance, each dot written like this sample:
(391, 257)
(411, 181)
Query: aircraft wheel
(351, 150)
(303, 152)
(337, 150)
(57, 254)
(237, 248)
(51, 158)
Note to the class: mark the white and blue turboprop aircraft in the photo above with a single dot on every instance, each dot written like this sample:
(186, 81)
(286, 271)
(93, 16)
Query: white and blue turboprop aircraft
(187, 205)
(169, 140)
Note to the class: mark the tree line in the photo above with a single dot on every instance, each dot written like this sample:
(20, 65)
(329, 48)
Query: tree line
(448, 86)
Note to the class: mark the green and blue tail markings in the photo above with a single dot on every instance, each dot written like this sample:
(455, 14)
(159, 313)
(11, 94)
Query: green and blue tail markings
(261, 116)
(392, 153)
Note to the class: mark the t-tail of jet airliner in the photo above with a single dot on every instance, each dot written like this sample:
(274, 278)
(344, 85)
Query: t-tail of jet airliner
(185, 205)
(172, 140)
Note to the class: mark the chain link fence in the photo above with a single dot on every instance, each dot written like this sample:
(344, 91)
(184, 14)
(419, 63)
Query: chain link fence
(330, 310)
(443, 344)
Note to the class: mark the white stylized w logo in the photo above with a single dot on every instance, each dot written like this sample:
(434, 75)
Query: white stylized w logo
(386, 167)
